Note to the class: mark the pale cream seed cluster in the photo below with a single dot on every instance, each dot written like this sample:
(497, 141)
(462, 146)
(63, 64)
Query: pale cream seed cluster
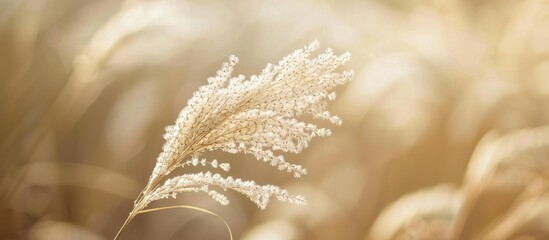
(256, 116)
(196, 182)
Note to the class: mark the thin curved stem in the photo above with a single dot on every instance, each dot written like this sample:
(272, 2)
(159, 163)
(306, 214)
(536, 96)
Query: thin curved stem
(130, 217)
(193, 208)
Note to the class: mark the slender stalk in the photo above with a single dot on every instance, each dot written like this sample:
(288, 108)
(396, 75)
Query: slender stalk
(130, 217)
(193, 208)
(133, 214)
(137, 203)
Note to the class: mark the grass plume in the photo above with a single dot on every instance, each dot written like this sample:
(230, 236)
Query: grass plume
(256, 116)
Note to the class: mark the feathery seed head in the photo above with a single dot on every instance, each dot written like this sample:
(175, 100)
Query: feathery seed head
(257, 116)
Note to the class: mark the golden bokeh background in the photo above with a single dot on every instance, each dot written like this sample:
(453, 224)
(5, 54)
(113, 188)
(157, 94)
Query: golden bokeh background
(445, 134)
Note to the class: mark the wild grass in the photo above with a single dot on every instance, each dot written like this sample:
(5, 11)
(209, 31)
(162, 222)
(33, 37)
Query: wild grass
(445, 133)
(511, 161)
(256, 116)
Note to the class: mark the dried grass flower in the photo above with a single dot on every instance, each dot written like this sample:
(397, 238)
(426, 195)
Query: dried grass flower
(256, 116)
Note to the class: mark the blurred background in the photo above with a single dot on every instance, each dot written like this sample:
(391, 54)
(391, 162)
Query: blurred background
(445, 132)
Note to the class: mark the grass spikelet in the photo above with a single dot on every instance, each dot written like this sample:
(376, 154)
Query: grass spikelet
(256, 116)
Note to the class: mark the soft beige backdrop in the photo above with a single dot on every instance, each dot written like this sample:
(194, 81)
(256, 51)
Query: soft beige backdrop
(443, 134)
